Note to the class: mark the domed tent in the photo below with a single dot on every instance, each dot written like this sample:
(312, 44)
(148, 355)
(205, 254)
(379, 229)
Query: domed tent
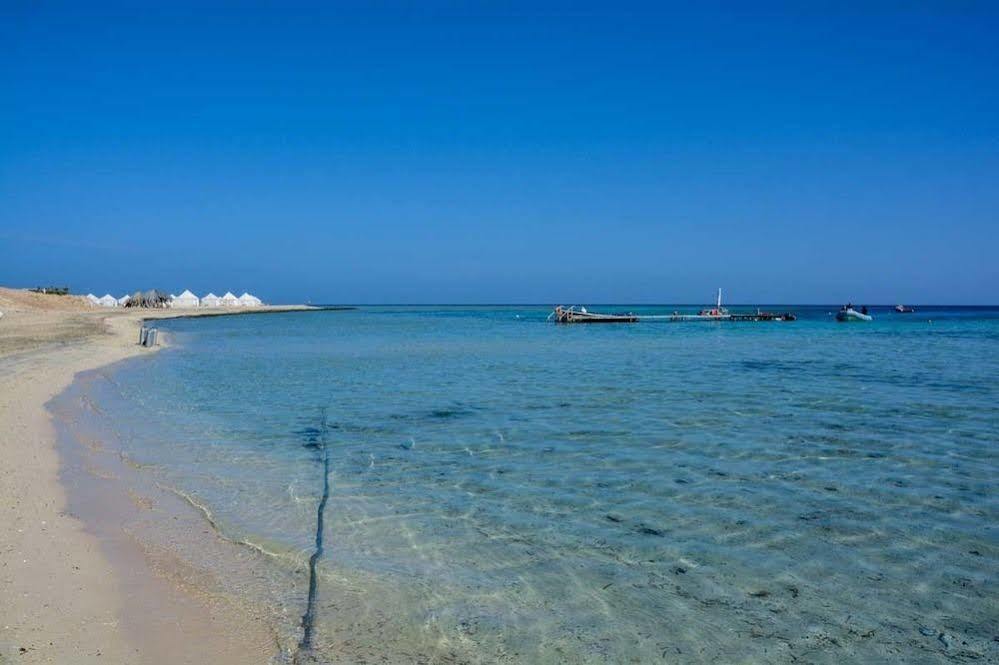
(229, 300)
(124, 300)
(107, 300)
(211, 300)
(93, 300)
(185, 299)
(247, 300)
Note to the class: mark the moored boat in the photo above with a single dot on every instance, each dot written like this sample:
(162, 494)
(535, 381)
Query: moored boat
(904, 309)
(847, 314)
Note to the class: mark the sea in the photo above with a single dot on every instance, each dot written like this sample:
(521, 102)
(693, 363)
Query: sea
(459, 484)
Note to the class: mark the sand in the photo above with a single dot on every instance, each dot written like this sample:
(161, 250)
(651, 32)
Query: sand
(65, 596)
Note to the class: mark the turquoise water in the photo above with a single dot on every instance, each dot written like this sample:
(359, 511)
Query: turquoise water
(503, 489)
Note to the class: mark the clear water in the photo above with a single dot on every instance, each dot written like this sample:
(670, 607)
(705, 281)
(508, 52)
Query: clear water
(507, 490)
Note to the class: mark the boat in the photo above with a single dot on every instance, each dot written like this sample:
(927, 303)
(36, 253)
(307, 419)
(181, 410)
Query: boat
(573, 315)
(904, 309)
(847, 314)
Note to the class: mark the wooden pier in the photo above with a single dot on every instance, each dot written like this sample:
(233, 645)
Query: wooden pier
(716, 313)
(573, 315)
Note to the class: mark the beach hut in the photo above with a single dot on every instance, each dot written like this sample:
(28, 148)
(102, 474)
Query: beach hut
(246, 300)
(124, 300)
(229, 300)
(211, 300)
(107, 300)
(185, 299)
(93, 300)
(151, 298)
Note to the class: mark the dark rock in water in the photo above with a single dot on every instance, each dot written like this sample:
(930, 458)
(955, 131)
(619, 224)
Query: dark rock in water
(927, 632)
(613, 518)
(312, 436)
(455, 411)
(649, 531)
(762, 593)
(407, 445)
(679, 570)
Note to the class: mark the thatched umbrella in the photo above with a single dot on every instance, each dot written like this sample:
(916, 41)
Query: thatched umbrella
(150, 298)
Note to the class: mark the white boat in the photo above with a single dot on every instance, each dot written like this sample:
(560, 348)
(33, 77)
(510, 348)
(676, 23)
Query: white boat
(848, 314)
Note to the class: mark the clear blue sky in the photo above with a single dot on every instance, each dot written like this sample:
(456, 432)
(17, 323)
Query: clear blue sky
(431, 152)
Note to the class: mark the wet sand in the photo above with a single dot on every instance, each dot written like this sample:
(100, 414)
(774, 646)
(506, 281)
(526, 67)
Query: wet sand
(84, 591)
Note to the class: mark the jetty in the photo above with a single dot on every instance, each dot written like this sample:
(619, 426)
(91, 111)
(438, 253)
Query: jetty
(573, 315)
(717, 313)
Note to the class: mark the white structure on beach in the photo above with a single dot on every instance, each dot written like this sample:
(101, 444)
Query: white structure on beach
(185, 299)
(107, 300)
(247, 300)
(124, 300)
(229, 300)
(211, 300)
(94, 300)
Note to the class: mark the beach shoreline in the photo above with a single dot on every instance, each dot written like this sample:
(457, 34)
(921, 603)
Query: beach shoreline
(65, 599)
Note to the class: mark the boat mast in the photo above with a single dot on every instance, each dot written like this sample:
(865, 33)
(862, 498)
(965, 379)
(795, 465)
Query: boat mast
(718, 305)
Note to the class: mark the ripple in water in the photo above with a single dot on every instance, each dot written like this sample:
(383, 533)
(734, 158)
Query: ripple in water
(506, 490)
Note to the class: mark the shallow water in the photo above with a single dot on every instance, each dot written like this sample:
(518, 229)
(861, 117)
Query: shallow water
(503, 489)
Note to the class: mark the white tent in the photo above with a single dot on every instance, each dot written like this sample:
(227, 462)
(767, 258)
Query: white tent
(94, 300)
(107, 300)
(246, 300)
(124, 300)
(185, 299)
(211, 300)
(229, 300)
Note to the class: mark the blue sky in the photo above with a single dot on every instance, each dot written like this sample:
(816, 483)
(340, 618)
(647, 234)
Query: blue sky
(504, 152)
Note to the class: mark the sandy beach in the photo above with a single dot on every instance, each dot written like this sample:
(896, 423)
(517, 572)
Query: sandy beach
(68, 594)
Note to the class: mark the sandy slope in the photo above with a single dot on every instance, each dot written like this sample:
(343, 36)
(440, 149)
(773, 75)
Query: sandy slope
(60, 599)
